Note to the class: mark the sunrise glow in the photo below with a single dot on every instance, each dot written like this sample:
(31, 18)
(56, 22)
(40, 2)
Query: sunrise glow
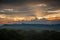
(33, 12)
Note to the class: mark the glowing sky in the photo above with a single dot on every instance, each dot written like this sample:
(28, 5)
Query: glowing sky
(27, 10)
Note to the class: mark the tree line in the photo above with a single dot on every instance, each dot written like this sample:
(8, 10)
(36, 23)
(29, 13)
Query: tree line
(9, 34)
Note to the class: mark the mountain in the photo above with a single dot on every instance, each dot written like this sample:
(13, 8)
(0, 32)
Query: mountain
(32, 26)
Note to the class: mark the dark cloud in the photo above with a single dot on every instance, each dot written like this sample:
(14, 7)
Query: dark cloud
(54, 3)
(17, 1)
(27, 1)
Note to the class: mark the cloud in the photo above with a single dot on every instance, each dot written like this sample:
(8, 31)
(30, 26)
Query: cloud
(28, 8)
(55, 4)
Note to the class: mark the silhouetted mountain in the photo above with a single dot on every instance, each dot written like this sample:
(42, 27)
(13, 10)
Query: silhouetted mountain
(32, 26)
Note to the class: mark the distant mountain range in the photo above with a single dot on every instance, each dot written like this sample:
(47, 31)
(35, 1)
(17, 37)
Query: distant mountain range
(32, 26)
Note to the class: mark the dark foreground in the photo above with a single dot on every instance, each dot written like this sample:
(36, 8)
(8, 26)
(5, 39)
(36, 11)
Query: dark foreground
(8, 34)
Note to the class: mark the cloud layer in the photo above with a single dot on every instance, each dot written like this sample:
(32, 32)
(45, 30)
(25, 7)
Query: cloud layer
(22, 10)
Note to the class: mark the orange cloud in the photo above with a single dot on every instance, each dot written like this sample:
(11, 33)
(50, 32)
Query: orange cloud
(53, 16)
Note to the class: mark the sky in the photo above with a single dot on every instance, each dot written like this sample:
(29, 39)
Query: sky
(12, 11)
